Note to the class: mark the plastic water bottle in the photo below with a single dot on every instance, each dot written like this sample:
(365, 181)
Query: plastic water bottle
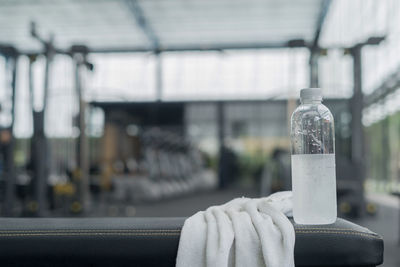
(313, 161)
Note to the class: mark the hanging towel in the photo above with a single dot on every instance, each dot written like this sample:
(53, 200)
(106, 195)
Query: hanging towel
(243, 232)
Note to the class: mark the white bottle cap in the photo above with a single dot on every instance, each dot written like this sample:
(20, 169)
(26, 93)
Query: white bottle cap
(311, 94)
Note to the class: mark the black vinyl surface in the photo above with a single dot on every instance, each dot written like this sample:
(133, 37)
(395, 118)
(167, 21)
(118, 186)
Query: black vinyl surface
(154, 242)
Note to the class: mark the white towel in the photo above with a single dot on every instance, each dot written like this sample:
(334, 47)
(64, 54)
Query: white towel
(243, 232)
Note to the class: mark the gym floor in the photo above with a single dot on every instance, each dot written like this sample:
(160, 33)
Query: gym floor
(386, 223)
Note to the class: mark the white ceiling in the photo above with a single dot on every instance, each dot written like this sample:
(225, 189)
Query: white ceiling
(104, 24)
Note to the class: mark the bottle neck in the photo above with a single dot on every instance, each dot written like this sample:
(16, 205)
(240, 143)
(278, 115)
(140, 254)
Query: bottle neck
(311, 101)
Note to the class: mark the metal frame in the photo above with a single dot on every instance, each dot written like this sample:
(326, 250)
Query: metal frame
(9, 170)
(325, 5)
(143, 23)
(314, 48)
(295, 43)
(81, 177)
(188, 48)
(357, 105)
(39, 142)
(390, 85)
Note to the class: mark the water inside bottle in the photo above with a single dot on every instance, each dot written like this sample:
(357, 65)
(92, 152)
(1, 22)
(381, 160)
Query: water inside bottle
(314, 188)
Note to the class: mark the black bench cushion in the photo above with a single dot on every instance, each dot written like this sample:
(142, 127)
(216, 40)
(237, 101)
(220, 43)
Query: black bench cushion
(154, 242)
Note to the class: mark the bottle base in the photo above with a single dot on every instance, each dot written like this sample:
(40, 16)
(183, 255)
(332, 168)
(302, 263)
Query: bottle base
(314, 222)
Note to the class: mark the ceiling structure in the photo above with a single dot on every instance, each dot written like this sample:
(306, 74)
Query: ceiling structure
(157, 25)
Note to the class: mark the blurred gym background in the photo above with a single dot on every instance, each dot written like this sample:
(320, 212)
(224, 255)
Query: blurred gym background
(163, 108)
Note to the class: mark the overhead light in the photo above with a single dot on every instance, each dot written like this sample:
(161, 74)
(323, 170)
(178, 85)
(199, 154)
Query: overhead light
(376, 40)
(296, 43)
(132, 130)
(323, 52)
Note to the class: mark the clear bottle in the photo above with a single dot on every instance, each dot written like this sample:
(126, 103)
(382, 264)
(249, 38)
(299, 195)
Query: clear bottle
(313, 161)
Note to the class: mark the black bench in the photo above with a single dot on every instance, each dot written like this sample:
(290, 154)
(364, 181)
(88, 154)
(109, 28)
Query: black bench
(154, 242)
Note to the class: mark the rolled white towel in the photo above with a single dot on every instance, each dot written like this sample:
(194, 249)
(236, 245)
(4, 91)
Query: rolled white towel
(243, 232)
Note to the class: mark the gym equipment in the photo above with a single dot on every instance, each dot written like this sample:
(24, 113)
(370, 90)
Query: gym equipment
(170, 166)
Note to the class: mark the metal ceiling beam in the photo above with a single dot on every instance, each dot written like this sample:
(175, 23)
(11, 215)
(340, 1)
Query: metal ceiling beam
(325, 4)
(289, 44)
(298, 43)
(143, 23)
(389, 86)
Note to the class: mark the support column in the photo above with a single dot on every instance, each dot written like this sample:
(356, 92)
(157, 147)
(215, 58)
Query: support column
(385, 149)
(357, 130)
(159, 85)
(221, 144)
(8, 149)
(313, 63)
(40, 159)
(40, 147)
(357, 142)
(82, 145)
(220, 123)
